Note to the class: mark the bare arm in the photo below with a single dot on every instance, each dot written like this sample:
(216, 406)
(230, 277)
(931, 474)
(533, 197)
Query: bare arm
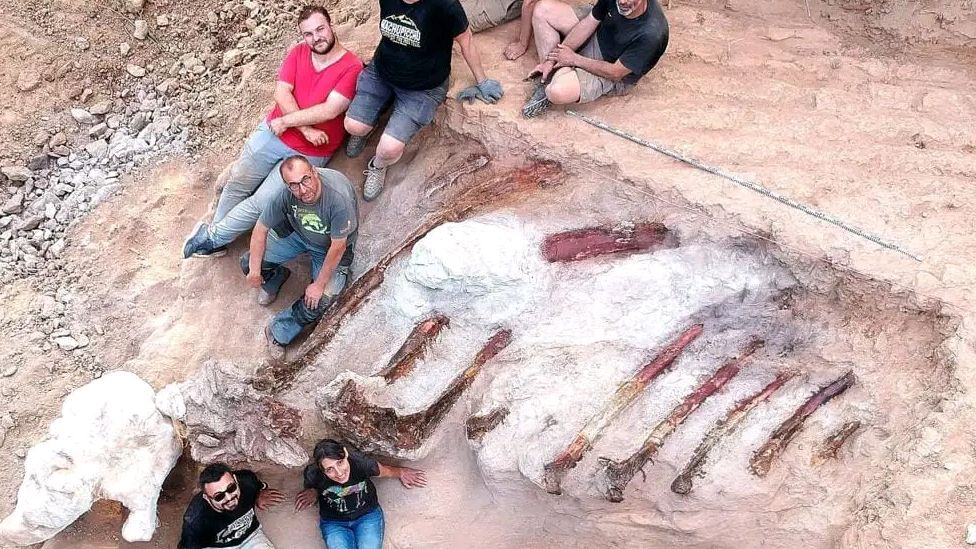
(314, 291)
(411, 478)
(581, 32)
(334, 106)
(599, 67)
(259, 242)
(284, 97)
(470, 54)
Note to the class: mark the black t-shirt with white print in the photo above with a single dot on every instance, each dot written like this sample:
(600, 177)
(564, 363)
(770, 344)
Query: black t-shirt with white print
(351, 499)
(414, 52)
(204, 527)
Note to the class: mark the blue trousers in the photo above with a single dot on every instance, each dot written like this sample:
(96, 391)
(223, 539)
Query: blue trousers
(366, 532)
(287, 324)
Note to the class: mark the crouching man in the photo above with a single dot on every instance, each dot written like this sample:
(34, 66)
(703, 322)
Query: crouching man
(315, 213)
(605, 53)
(222, 514)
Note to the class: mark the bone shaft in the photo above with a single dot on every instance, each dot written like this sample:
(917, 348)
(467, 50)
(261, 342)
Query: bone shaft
(476, 427)
(591, 242)
(413, 348)
(828, 450)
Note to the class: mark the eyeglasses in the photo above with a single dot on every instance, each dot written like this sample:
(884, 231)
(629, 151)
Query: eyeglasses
(296, 186)
(219, 496)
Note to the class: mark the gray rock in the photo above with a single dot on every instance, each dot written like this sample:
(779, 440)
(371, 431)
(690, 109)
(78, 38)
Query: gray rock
(135, 70)
(31, 222)
(102, 107)
(971, 534)
(15, 204)
(66, 343)
(134, 6)
(16, 173)
(138, 122)
(28, 80)
(97, 149)
(98, 130)
(9, 372)
(124, 49)
(82, 116)
(208, 441)
(58, 139)
(56, 249)
(232, 57)
(37, 162)
(104, 193)
(141, 29)
(162, 21)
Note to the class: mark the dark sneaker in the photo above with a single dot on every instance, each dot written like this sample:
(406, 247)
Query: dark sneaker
(375, 179)
(266, 298)
(276, 351)
(355, 145)
(198, 244)
(538, 103)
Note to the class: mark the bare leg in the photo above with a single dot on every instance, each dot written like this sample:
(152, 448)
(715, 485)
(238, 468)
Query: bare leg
(518, 47)
(564, 88)
(551, 20)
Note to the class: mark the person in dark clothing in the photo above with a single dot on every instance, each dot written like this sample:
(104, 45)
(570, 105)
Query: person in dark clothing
(222, 513)
(338, 478)
(604, 53)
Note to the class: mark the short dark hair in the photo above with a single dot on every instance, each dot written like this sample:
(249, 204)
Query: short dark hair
(310, 10)
(291, 161)
(328, 449)
(213, 473)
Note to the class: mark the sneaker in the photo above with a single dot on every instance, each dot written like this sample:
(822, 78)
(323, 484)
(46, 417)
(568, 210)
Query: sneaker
(276, 351)
(198, 244)
(265, 297)
(356, 145)
(538, 103)
(375, 178)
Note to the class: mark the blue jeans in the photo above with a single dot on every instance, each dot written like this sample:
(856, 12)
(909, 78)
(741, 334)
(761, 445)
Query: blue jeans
(287, 324)
(253, 181)
(366, 532)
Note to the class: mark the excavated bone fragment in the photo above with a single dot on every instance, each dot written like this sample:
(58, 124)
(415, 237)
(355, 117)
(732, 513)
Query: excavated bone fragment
(828, 449)
(684, 482)
(762, 460)
(109, 443)
(249, 426)
(580, 244)
(619, 473)
(380, 429)
(413, 348)
(476, 427)
(625, 394)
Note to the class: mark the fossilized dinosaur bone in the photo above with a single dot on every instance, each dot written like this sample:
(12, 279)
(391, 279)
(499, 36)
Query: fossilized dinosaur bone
(781, 437)
(413, 348)
(378, 428)
(580, 244)
(619, 473)
(477, 427)
(828, 450)
(684, 482)
(556, 469)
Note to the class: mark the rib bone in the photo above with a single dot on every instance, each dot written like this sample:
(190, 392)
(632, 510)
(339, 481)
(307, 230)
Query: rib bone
(828, 450)
(413, 348)
(619, 474)
(625, 394)
(478, 426)
(683, 483)
(781, 437)
(580, 244)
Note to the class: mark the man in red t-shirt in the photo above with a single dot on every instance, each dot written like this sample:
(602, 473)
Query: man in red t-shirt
(316, 83)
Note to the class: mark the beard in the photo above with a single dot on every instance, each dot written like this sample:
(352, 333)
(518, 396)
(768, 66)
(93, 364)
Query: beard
(323, 47)
(624, 12)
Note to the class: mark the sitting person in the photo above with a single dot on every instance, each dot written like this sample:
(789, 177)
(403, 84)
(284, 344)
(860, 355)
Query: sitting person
(316, 83)
(314, 213)
(617, 43)
(338, 478)
(222, 513)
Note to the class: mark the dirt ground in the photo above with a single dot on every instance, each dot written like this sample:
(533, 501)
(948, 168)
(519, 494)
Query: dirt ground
(862, 109)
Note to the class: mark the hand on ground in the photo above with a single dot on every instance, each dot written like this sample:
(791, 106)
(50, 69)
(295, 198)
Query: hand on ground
(254, 279)
(314, 136)
(313, 294)
(413, 478)
(269, 497)
(515, 50)
(305, 499)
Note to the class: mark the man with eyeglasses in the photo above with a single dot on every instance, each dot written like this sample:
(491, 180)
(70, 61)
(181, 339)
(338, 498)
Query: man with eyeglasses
(316, 83)
(222, 513)
(314, 213)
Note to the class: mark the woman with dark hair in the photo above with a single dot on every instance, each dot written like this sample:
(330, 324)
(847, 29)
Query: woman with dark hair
(350, 516)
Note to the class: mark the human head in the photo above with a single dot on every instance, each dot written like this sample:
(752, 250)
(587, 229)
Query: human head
(629, 8)
(220, 487)
(301, 178)
(315, 26)
(332, 459)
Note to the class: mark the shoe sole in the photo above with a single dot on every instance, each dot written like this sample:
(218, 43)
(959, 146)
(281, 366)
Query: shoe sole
(212, 255)
(186, 241)
(275, 297)
(361, 149)
(536, 108)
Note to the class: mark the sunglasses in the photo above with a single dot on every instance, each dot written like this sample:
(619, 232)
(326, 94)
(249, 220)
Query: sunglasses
(296, 186)
(219, 496)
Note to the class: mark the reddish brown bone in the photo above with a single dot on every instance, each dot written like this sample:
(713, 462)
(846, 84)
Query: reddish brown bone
(625, 394)
(477, 427)
(590, 242)
(684, 482)
(781, 437)
(377, 428)
(828, 450)
(619, 473)
(413, 348)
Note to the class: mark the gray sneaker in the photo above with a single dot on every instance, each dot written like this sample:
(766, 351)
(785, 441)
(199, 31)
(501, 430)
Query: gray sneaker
(538, 103)
(266, 298)
(355, 145)
(375, 178)
(276, 351)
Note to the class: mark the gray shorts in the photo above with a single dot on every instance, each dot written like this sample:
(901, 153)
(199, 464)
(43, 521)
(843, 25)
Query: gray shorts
(593, 86)
(412, 109)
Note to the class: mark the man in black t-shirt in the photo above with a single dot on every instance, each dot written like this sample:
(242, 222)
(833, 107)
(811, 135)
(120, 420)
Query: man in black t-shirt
(222, 514)
(605, 53)
(410, 68)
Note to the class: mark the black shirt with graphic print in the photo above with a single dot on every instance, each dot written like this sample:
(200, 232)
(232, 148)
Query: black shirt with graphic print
(414, 52)
(351, 499)
(204, 527)
(638, 43)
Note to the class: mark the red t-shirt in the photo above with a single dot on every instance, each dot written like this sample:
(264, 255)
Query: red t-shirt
(311, 88)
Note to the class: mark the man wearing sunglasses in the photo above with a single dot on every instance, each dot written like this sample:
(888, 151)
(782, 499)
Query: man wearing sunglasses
(314, 213)
(316, 83)
(222, 514)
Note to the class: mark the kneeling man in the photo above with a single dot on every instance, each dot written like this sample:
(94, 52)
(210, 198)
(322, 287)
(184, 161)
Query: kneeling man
(315, 213)
(605, 53)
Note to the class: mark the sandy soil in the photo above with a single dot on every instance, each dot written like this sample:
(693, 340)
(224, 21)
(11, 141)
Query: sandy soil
(863, 111)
